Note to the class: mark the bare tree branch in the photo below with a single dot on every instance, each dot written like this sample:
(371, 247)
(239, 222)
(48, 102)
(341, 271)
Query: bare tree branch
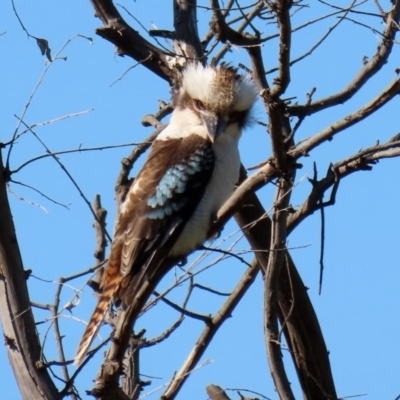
(187, 42)
(210, 330)
(130, 43)
(369, 69)
(225, 33)
(272, 277)
(296, 313)
(319, 41)
(216, 393)
(361, 161)
(281, 8)
(23, 346)
(328, 133)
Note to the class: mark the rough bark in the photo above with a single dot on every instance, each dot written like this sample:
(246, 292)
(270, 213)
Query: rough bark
(296, 313)
(21, 339)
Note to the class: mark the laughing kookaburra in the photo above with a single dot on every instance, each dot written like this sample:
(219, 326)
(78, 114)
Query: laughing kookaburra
(191, 171)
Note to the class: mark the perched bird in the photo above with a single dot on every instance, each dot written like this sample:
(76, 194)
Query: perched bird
(191, 171)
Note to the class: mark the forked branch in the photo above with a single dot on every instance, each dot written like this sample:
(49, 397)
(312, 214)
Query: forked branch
(367, 71)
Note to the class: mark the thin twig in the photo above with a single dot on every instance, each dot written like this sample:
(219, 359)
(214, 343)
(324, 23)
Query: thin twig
(66, 172)
(29, 101)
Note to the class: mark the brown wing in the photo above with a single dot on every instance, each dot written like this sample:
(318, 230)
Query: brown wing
(161, 200)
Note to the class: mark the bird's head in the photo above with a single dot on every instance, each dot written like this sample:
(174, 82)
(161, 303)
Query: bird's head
(219, 96)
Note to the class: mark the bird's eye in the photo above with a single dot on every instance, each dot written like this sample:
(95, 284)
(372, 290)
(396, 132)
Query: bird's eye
(199, 105)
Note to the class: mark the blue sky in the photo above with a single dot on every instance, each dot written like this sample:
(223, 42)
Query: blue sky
(361, 293)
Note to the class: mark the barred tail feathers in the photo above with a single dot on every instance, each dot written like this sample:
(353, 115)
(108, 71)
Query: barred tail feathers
(111, 282)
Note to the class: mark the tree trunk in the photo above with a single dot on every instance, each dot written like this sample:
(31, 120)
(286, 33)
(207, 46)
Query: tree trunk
(20, 335)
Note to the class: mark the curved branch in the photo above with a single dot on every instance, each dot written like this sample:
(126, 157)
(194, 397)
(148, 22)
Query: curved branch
(370, 68)
(129, 42)
(301, 327)
(271, 289)
(224, 33)
(304, 336)
(362, 161)
(22, 342)
(210, 330)
(328, 133)
(320, 40)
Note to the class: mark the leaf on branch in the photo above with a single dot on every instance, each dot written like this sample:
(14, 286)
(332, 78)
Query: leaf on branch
(44, 48)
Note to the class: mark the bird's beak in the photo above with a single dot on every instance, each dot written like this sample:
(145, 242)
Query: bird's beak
(215, 125)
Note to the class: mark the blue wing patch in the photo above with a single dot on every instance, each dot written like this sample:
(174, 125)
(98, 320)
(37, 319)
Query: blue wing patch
(173, 191)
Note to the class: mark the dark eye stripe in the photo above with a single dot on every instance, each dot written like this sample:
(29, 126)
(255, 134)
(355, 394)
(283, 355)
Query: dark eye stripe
(199, 104)
(239, 117)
